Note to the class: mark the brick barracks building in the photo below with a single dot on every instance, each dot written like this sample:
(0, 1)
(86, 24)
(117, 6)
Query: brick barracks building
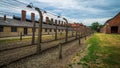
(112, 25)
(13, 27)
(79, 27)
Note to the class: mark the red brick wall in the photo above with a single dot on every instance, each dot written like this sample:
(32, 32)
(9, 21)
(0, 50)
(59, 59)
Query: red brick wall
(47, 18)
(115, 21)
(4, 17)
(32, 17)
(23, 15)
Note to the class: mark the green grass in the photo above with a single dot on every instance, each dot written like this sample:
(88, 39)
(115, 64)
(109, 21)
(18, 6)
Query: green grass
(29, 38)
(103, 52)
(14, 40)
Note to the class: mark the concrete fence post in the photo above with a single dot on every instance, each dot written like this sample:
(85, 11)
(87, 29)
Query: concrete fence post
(60, 51)
(72, 33)
(79, 40)
(38, 51)
(33, 35)
(85, 37)
(76, 34)
(20, 36)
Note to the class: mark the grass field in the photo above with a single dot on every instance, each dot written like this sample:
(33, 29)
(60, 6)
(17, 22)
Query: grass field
(29, 38)
(103, 52)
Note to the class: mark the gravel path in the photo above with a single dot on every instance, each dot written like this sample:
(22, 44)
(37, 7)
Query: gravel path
(47, 59)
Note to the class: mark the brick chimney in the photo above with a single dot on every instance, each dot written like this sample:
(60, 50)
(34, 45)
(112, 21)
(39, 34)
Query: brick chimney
(62, 23)
(47, 18)
(59, 22)
(32, 17)
(55, 22)
(51, 20)
(4, 18)
(23, 13)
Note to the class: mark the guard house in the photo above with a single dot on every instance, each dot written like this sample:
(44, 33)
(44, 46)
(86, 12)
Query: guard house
(112, 25)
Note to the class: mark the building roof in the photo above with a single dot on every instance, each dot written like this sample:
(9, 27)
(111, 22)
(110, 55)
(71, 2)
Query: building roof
(19, 23)
(13, 22)
(75, 24)
(108, 21)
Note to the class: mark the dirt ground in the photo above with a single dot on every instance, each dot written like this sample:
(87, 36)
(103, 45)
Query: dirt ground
(49, 59)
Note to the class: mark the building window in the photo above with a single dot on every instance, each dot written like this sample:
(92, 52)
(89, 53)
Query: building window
(54, 30)
(59, 30)
(1, 28)
(59, 22)
(47, 18)
(13, 29)
(55, 22)
(62, 30)
(46, 30)
(34, 29)
(50, 30)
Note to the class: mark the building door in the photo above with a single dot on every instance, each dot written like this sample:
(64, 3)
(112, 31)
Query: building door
(114, 29)
(25, 31)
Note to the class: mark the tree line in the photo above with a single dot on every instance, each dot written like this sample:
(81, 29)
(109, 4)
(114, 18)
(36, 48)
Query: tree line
(96, 26)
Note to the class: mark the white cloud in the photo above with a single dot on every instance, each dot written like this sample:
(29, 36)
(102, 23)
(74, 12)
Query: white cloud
(61, 3)
(90, 21)
(75, 10)
(71, 4)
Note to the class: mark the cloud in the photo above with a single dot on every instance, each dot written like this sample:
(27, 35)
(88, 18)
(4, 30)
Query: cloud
(85, 11)
(60, 3)
(90, 21)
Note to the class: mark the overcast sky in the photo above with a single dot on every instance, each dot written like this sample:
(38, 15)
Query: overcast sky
(85, 11)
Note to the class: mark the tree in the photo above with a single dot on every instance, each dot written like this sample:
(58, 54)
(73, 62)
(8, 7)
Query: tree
(96, 26)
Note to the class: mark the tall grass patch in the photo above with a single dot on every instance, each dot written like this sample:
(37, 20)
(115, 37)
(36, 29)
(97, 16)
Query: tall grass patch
(103, 52)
